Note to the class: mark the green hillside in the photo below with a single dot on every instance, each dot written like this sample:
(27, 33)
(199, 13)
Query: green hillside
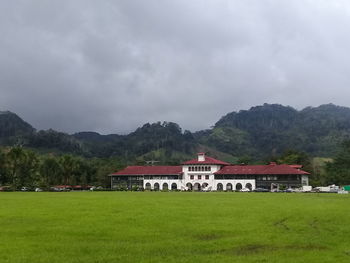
(258, 133)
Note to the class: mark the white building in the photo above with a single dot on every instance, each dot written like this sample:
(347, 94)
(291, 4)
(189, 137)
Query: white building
(208, 174)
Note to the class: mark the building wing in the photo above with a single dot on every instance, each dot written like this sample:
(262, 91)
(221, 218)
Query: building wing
(149, 170)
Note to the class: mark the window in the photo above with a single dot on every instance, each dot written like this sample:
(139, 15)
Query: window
(199, 177)
(196, 168)
(192, 177)
(190, 169)
(207, 177)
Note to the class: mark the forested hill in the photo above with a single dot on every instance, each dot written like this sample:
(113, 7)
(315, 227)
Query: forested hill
(11, 125)
(271, 128)
(259, 132)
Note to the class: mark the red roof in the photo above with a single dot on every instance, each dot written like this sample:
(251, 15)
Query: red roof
(150, 170)
(297, 166)
(207, 160)
(260, 169)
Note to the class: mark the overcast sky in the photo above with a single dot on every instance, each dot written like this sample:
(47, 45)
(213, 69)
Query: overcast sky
(111, 66)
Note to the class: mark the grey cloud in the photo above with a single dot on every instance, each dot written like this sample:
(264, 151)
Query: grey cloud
(110, 66)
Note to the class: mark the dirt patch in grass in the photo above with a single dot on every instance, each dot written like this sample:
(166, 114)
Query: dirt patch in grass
(261, 248)
(306, 247)
(252, 249)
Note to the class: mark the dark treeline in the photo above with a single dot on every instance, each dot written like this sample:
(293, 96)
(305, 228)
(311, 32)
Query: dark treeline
(23, 167)
(338, 171)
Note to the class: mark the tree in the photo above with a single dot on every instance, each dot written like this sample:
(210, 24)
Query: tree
(50, 171)
(295, 157)
(338, 171)
(3, 170)
(14, 159)
(70, 167)
(29, 169)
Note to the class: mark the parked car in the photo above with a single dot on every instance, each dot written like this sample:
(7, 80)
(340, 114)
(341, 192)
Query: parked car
(260, 190)
(38, 189)
(5, 188)
(245, 190)
(289, 190)
(276, 191)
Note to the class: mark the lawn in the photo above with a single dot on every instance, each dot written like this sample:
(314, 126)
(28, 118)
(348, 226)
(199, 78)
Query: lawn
(174, 227)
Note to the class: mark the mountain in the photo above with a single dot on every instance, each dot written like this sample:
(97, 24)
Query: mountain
(259, 132)
(272, 128)
(149, 140)
(51, 140)
(12, 127)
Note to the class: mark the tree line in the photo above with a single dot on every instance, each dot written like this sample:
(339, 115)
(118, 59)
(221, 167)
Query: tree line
(23, 167)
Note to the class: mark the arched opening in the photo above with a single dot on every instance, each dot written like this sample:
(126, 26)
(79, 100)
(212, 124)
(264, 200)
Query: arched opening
(173, 186)
(189, 186)
(204, 186)
(156, 187)
(148, 186)
(197, 187)
(249, 186)
(229, 187)
(219, 187)
(165, 187)
(239, 187)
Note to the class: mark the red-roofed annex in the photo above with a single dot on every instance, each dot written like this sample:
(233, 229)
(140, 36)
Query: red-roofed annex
(153, 170)
(209, 174)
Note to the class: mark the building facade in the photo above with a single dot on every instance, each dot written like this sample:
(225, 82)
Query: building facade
(208, 174)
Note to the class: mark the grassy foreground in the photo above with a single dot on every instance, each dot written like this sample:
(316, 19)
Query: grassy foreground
(174, 227)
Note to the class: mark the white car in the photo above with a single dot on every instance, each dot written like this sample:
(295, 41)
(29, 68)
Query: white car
(245, 190)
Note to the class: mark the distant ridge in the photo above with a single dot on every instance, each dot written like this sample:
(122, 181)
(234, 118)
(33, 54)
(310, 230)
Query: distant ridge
(261, 131)
(11, 125)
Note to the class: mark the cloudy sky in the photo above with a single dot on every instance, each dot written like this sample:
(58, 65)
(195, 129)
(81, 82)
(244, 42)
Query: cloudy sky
(111, 66)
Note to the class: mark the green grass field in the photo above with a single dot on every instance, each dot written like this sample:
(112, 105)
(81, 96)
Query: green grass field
(174, 227)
